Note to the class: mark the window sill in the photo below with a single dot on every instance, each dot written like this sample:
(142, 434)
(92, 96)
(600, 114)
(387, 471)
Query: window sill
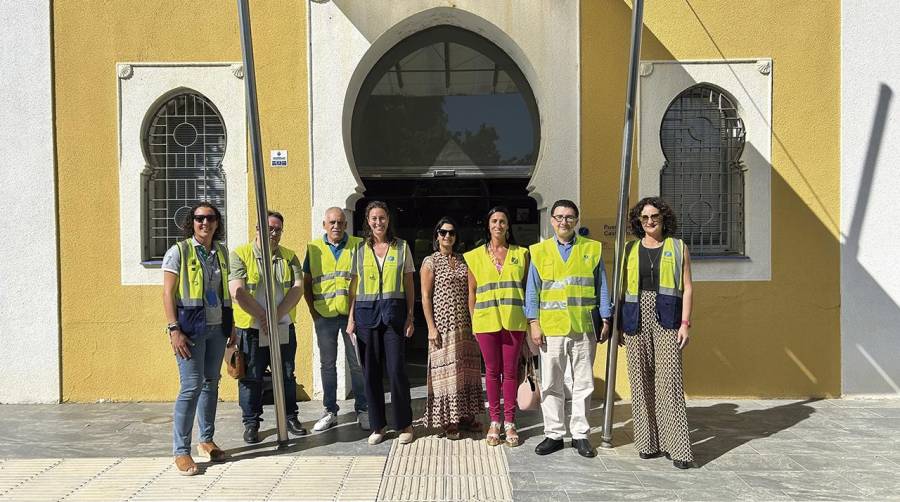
(152, 264)
(720, 257)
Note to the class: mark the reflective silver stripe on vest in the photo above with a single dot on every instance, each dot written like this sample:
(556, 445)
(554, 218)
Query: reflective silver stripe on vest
(669, 291)
(498, 285)
(331, 294)
(678, 271)
(376, 297)
(631, 298)
(332, 275)
(570, 302)
(569, 281)
(498, 302)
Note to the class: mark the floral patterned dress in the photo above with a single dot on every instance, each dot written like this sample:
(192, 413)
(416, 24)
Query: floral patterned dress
(454, 367)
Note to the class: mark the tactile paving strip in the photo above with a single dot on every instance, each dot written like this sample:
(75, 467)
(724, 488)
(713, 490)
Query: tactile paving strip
(282, 478)
(441, 470)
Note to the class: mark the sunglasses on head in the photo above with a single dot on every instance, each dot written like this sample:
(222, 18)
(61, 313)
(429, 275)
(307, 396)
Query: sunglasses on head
(444, 232)
(208, 217)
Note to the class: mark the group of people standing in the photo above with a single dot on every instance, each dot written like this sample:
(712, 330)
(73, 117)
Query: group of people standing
(496, 304)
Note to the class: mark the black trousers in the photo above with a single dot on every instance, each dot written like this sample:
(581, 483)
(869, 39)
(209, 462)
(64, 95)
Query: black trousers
(385, 347)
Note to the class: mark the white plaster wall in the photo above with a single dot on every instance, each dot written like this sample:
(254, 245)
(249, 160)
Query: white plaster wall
(347, 37)
(870, 182)
(750, 84)
(29, 288)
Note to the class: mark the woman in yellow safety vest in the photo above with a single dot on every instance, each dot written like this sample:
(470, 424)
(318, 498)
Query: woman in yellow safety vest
(497, 302)
(381, 319)
(197, 305)
(656, 318)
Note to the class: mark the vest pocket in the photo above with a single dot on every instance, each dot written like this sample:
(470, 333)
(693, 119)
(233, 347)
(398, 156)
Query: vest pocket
(669, 310)
(629, 317)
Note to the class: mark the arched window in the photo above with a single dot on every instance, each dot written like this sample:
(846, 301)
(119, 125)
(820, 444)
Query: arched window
(445, 102)
(702, 139)
(184, 144)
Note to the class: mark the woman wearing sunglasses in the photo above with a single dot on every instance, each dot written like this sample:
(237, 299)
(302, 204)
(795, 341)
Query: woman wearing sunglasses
(197, 305)
(454, 397)
(497, 300)
(656, 317)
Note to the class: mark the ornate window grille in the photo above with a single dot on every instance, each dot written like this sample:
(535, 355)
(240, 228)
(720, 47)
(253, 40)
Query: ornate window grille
(702, 139)
(184, 144)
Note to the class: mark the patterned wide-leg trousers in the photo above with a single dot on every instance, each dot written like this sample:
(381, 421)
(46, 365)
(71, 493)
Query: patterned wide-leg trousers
(657, 389)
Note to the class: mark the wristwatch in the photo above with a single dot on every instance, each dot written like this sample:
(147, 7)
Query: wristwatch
(173, 326)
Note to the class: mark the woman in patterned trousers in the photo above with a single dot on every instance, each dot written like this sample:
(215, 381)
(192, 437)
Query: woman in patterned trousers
(656, 318)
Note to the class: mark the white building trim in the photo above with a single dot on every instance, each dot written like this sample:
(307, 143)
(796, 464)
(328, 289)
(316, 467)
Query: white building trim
(346, 39)
(141, 88)
(749, 82)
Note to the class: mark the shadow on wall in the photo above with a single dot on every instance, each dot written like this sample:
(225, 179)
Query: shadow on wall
(870, 338)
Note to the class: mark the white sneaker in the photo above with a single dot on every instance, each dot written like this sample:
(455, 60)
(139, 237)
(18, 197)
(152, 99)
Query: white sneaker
(327, 421)
(376, 437)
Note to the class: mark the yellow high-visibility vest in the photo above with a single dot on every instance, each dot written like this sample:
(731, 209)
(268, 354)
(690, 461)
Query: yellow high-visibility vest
(567, 294)
(331, 277)
(384, 283)
(283, 276)
(499, 297)
(671, 285)
(190, 292)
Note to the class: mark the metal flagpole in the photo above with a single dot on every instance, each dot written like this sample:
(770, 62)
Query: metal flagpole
(262, 218)
(612, 354)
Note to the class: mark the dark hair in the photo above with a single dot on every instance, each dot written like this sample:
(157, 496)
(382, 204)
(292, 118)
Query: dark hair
(564, 203)
(434, 235)
(188, 223)
(669, 222)
(367, 233)
(510, 239)
(276, 214)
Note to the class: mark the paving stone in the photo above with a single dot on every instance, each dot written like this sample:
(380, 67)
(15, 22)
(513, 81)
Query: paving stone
(578, 481)
(875, 480)
(540, 496)
(621, 494)
(806, 485)
(846, 463)
(751, 463)
(720, 494)
(684, 480)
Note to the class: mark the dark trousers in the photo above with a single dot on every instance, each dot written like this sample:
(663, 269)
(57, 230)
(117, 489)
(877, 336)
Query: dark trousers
(385, 346)
(250, 388)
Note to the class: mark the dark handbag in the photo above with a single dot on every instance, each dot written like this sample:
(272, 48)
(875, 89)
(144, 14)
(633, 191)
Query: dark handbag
(234, 361)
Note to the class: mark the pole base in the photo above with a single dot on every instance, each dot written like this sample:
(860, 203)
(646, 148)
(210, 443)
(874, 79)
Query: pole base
(282, 445)
(606, 443)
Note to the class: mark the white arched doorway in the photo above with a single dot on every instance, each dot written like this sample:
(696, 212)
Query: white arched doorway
(347, 40)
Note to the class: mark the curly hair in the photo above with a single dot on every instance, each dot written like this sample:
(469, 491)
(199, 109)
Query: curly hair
(434, 235)
(669, 222)
(367, 233)
(188, 222)
(510, 239)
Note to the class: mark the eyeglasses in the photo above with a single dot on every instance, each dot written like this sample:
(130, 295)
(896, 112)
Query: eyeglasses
(275, 230)
(444, 232)
(568, 218)
(647, 217)
(208, 217)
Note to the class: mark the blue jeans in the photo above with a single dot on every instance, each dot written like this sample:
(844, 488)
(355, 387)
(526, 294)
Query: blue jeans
(250, 388)
(199, 378)
(327, 329)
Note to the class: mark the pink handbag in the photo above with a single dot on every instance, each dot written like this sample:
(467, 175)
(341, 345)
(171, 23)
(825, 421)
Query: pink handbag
(528, 396)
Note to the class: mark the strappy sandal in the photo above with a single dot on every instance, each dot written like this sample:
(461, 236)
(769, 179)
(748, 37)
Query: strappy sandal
(512, 440)
(493, 434)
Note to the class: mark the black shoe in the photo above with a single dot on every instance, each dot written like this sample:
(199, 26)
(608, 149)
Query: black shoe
(251, 434)
(667, 455)
(296, 427)
(548, 446)
(646, 456)
(584, 448)
(682, 464)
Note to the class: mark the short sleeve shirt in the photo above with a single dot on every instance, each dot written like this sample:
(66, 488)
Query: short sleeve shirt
(238, 271)
(212, 278)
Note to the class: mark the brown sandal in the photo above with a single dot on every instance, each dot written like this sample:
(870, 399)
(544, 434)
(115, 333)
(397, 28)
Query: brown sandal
(211, 452)
(493, 434)
(185, 465)
(512, 440)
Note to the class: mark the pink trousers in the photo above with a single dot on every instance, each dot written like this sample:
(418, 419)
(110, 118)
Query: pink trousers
(500, 351)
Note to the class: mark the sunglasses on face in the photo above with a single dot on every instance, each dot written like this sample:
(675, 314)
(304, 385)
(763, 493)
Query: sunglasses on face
(444, 232)
(647, 217)
(199, 218)
(275, 230)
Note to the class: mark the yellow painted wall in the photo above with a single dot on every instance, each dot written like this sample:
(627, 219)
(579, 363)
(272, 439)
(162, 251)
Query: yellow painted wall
(113, 345)
(768, 339)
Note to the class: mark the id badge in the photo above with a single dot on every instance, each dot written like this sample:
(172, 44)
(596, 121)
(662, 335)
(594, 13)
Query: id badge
(212, 299)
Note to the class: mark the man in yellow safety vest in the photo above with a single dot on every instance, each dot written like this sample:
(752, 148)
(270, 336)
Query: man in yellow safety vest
(326, 280)
(250, 318)
(568, 310)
